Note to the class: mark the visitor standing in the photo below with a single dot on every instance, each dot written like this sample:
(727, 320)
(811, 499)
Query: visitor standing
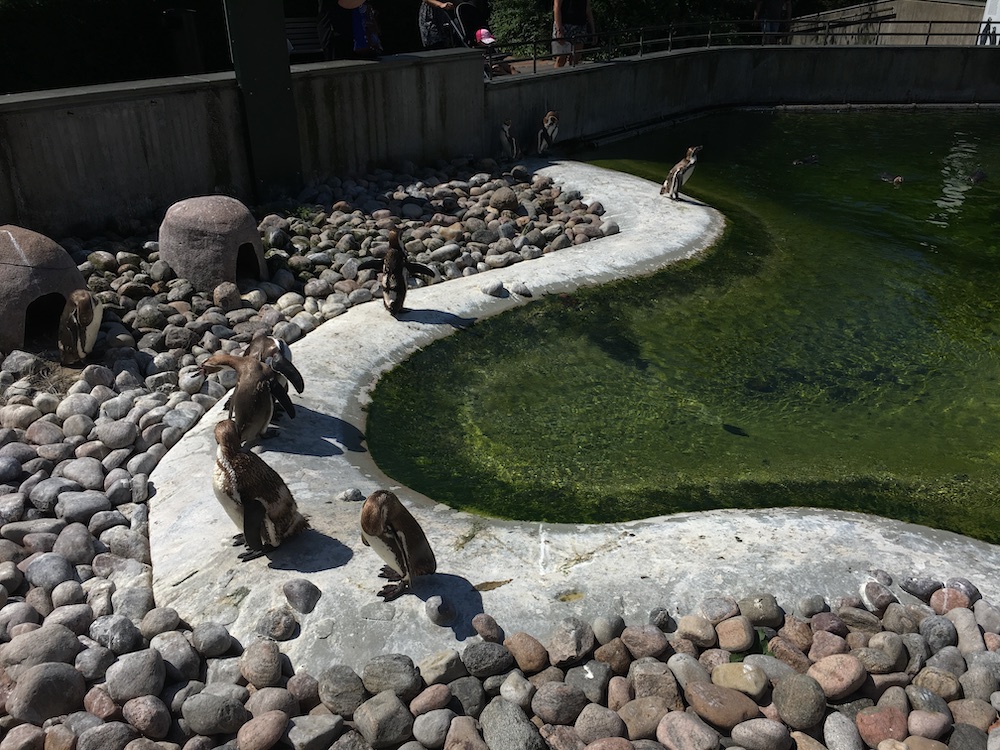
(347, 29)
(572, 26)
(436, 30)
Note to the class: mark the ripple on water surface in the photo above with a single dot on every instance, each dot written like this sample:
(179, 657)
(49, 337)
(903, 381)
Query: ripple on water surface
(840, 346)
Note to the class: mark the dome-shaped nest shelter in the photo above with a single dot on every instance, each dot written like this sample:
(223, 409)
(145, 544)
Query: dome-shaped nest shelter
(37, 276)
(211, 239)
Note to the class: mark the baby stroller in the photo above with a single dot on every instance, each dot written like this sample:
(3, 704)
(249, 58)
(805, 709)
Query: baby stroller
(471, 25)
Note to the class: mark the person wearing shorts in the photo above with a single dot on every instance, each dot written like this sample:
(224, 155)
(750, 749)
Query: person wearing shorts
(572, 24)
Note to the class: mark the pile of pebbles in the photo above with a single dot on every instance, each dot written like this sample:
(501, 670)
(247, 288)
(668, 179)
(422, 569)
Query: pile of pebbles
(77, 447)
(89, 662)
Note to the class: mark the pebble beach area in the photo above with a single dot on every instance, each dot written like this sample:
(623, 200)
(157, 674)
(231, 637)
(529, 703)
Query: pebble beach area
(901, 658)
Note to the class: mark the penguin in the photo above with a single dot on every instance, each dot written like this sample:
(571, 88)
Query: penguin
(811, 159)
(978, 176)
(274, 352)
(251, 406)
(886, 177)
(253, 495)
(680, 174)
(78, 326)
(392, 531)
(549, 130)
(511, 150)
(393, 278)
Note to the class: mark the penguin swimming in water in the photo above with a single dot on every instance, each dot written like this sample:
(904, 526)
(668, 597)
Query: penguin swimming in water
(251, 405)
(680, 173)
(549, 130)
(395, 266)
(511, 149)
(392, 531)
(886, 177)
(79, 325)
(253, 495)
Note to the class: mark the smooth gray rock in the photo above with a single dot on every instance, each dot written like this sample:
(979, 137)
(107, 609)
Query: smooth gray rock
(395, 672)
(116, 632)
(180, 659)
(46, 690)
(213, 714)
(486, 659)
(135, 674)
(384, 720)
(505, 727)
(341, 690)
(211, 639)
(313, 732)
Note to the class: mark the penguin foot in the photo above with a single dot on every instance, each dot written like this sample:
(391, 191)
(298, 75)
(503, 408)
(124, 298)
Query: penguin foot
(393, 591)
(269, 433)
(389, 574)
(238, 540)
(253, 554)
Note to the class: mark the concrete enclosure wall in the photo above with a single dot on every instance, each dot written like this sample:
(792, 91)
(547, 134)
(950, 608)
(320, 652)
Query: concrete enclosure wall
(72, 160)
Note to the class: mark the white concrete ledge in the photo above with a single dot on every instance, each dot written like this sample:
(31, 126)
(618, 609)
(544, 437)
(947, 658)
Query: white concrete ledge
(527, 575)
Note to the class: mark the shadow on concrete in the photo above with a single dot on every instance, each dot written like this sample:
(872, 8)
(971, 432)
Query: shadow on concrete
(457, 591)
(310, 552)
(315, 434)
(436, 317)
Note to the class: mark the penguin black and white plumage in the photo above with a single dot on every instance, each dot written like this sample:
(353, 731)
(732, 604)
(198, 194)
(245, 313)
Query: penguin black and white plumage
(251, 405)
(79, 325)
(680, 174)
(392, 531)
(549, 130)
(511, 149)
(394, 265)
(253, 495)
(275, 353)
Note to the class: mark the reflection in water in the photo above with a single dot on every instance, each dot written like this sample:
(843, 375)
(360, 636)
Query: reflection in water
(955, 170)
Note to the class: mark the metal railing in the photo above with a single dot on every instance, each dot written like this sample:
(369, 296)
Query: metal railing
(874, 29)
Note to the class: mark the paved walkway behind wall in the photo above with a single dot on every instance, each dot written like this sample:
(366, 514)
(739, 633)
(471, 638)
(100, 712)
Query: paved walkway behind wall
(527, 575)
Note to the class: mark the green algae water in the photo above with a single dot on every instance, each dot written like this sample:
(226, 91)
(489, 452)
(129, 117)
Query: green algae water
(839, 347)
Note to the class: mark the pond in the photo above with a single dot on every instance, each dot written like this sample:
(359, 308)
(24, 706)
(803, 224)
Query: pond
(838, 347)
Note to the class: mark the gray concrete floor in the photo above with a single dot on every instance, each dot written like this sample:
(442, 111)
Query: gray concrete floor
(527, 575)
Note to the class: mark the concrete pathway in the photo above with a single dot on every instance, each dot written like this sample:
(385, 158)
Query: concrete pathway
(527, 575)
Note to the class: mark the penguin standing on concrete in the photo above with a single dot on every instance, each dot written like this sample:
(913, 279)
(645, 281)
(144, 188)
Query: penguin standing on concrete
(79, 325)
(252, 403)
(392, 531)
(395, 265)
(548, 132)
(275, 353)
(680, 174)
(253, 495)
(511, 149)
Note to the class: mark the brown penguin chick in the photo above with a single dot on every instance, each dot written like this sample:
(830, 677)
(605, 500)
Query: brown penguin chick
(79, 325)
(253, 495)
(392, 531)
(251, 405)
(680, 173)
(393, 278)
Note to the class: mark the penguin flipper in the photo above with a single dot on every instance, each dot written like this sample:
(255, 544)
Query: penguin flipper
(370, 263)
(282, 397)
(419, 269)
